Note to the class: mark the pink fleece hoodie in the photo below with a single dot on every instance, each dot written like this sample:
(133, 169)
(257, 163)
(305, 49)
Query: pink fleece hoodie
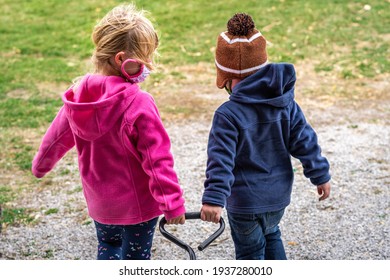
(125, 162)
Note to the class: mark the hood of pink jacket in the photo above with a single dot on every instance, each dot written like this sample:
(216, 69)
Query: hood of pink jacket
(96, 104)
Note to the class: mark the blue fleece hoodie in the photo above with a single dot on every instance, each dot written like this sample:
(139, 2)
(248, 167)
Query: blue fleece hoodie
(252, 137)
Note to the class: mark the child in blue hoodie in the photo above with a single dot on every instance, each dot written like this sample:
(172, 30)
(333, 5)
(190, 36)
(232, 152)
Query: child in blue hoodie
(252, 139)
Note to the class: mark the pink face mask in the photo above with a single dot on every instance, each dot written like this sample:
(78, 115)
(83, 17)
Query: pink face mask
(138, 77)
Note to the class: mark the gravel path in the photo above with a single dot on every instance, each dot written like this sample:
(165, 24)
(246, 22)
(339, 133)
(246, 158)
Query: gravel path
(353, 224)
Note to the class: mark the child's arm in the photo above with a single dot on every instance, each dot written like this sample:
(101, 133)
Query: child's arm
(221, 152)
(57, 141)
(154, 145)
(304, 146)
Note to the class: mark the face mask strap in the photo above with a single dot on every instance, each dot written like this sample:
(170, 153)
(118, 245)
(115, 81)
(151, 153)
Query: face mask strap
(127, 76)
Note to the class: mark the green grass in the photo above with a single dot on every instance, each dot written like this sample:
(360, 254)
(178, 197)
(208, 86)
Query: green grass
(16, 216)
(297, 30)
(44, 45)
(51, 211)
(50, 41)
(6, 194)
(34, 112)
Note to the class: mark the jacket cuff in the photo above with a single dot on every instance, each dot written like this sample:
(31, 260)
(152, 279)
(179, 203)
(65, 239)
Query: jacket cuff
(320, 180)
(38, 174)
(214, 198)
(174, 213)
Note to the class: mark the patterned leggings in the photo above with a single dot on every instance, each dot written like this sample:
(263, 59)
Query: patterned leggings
(125, 242)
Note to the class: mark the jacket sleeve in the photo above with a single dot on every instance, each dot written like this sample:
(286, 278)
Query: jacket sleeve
(154, 146)
(57, 141)
(221, 153)
(304, 146)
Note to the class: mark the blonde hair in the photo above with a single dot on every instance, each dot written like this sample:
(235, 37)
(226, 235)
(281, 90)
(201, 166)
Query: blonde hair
(126, 29)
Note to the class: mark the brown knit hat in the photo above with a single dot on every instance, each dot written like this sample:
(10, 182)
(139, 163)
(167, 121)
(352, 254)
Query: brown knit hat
(240, 51)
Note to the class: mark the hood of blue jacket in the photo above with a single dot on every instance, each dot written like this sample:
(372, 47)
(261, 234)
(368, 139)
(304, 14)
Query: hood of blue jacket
(272, 85)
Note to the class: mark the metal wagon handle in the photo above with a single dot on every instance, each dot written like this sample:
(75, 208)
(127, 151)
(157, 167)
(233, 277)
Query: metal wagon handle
(185, 246)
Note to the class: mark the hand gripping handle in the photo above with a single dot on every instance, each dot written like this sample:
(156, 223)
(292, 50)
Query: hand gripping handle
(185, 246)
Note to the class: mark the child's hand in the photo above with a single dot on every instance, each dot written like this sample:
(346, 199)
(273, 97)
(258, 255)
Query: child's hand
(211, 213)
(178, 220)
(324, 190)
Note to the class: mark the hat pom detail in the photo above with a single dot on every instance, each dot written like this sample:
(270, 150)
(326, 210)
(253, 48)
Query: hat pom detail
(240, 25)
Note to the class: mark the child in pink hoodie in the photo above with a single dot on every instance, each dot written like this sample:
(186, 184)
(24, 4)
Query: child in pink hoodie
(124, 156)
